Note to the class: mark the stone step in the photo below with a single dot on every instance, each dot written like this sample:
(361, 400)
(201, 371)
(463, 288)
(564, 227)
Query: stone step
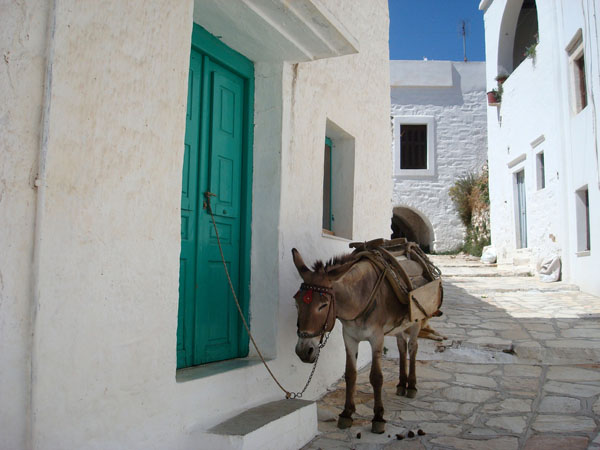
(279, 425)
(484, 271)
(560, 351)
(489, 286)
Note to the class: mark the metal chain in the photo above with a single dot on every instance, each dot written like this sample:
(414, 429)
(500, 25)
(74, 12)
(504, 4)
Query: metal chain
(321, 345)
(288, 394)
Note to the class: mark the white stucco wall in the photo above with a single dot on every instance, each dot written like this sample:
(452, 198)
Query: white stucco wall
(22, 48)
(320, 92)
(103, 355)
(453, 94)
(536, 114)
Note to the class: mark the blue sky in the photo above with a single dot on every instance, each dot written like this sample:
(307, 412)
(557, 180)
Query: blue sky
(430, 28)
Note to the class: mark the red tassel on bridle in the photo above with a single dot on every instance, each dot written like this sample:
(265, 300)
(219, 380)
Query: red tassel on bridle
(308, 297)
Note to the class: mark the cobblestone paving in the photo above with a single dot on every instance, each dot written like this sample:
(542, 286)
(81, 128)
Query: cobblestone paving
(520, 370)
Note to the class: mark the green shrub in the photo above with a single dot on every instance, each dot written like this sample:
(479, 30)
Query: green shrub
(471, 197)
(460, 194)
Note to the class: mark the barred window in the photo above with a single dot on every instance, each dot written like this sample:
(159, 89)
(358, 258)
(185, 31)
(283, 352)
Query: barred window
(413, 147)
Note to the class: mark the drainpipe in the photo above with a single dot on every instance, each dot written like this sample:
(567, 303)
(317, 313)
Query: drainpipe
(40, 185)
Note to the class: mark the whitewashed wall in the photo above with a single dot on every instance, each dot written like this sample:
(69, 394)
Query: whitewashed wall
(536, 114)
(453, 93)
(22, 46)
(334, 89)
(100, 372)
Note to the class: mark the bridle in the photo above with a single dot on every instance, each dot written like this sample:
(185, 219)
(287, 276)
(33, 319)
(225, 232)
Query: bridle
(331, 312)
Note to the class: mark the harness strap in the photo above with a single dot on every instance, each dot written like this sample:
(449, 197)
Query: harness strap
(397, 282)
(418, 305)
(375, 289)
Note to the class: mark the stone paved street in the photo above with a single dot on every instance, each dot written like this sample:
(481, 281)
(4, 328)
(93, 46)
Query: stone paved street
(520, 370)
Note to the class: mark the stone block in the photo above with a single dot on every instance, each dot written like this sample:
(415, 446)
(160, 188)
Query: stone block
(283, 424)
(542, 442)
(562, 423)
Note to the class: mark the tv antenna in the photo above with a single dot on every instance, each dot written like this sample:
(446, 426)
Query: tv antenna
(464, 28)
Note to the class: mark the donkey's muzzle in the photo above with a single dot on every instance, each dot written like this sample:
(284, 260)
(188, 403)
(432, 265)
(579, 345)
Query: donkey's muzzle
(307, 349)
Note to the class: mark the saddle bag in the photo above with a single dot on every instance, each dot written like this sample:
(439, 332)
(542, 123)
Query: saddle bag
(415, 280)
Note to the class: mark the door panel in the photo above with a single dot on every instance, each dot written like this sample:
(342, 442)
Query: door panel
(219, 316)
(209, 327)
(189, 210)
(226, 141)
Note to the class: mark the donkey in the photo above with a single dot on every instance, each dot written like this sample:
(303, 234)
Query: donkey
(355, 292)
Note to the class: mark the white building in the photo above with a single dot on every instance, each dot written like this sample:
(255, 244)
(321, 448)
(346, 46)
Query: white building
(543, 137)
(439, 132)
(102, 106)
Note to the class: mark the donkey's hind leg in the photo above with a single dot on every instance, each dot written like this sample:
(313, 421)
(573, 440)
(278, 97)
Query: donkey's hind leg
(403, 379)
(413, 346)
(345, 418)
(376, 379)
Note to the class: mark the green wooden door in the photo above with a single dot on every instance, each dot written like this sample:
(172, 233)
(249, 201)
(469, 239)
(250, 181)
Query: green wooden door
(217, 159)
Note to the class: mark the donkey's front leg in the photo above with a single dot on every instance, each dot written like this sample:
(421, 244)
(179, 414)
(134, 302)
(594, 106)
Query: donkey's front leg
(376, 379)
(345, 419)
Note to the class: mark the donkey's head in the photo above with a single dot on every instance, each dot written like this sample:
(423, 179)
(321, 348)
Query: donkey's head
(315, 301)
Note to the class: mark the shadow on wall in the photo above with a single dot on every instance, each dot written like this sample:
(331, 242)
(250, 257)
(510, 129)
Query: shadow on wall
(409, 224)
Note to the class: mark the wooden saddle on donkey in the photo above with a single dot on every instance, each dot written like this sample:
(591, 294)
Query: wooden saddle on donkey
(415, 280)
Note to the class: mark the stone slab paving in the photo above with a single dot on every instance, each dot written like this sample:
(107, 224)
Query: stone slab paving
(520, 370)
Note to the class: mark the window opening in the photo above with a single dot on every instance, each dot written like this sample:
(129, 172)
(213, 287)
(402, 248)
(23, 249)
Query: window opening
(577, 64)
(338, 182)
(582, 210)
(413, 147)
(541, 171)
(327, 200)
(581, 88)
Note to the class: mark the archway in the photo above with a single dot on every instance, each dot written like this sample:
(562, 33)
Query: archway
(408, 223)
(518, 31)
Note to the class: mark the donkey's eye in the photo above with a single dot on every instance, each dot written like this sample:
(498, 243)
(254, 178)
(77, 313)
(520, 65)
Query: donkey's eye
(323, 306)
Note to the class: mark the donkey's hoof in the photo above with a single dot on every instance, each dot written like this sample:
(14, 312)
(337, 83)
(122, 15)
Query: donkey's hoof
(401, 390)
(411, 393)
(344, 422)
(377, 427)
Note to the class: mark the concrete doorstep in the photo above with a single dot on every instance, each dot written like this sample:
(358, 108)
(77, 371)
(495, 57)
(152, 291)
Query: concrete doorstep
(279, 425)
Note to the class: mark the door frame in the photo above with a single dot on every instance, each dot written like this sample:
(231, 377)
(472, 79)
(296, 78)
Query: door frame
(207, 44)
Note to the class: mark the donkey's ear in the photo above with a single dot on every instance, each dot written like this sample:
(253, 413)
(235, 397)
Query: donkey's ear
(299, 263)
(338, 271)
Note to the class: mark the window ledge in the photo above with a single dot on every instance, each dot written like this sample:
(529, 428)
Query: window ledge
(583, 253)
(334, 237)
(408, 174)
(217, 368)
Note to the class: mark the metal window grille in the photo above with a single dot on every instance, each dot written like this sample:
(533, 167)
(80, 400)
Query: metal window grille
(413, 147)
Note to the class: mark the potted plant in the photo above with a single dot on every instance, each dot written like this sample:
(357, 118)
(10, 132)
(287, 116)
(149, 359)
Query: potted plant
(501, 78)
(494, 97)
